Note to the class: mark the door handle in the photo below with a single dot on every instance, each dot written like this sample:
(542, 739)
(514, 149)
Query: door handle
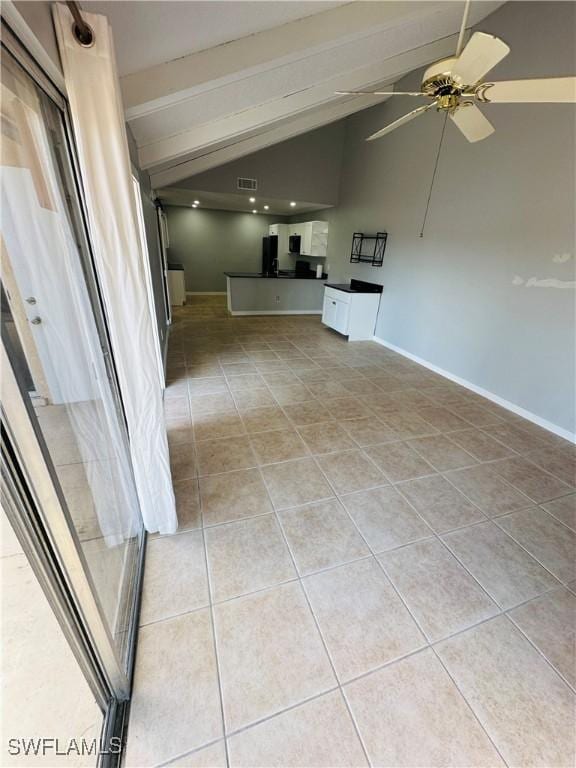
(36, 320)
(31, 300)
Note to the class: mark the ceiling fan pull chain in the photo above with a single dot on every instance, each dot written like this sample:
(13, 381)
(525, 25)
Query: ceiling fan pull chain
(434, 175)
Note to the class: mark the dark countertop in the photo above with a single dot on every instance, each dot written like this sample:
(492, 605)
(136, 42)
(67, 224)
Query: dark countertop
(340, 287)
(356, 286)
(283, 275)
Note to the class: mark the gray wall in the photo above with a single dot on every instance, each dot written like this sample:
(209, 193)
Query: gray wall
(210, 242)
(502, 211)
(305, 168)
(276, 295)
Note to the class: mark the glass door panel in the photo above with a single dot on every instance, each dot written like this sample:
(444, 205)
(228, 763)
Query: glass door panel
(55, 337)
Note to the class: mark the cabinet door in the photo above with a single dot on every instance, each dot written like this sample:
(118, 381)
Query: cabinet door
(329, 312)
(342, 317)
(306, 238)
(336, 314)
(319, 244)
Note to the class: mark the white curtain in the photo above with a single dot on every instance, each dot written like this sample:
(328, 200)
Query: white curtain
(78, 418)
(94, 95)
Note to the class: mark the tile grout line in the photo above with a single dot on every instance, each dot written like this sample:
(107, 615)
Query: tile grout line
(541, 653)
(319, 631)
(424, 634)
(214, 638)
(431, 646)
(522, 546)
(205, 745)
(469, 705)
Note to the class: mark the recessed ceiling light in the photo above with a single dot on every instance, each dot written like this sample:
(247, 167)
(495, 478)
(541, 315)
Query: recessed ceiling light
(196, 202)
(266, 207)
(254, 211)
(252, 199)
(292, 204)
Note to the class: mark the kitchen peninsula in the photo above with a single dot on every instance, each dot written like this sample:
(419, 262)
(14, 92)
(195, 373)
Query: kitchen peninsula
(285, 293)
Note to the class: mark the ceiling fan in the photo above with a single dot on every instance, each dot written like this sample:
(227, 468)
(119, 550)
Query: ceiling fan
(456, 84)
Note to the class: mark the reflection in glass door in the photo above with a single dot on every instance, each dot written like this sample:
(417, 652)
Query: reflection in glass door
(55, 339)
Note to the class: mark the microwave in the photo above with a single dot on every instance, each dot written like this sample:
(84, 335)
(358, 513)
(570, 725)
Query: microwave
(294, 244)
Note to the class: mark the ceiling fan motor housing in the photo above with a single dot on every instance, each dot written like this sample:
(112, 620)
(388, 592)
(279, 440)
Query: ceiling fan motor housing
(439, 83)
(439, 75)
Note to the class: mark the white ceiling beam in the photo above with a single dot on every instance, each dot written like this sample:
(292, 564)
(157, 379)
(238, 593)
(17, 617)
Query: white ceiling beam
(246, 146)
(200, 139)
(157, 87)
(330, 69)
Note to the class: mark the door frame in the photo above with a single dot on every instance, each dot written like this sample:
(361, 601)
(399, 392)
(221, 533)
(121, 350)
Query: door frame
(164, 242)
(145, 253)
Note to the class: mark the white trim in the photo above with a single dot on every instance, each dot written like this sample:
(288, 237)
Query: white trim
(205, 293)
(29, 40)
(518, 410)
(278, 312)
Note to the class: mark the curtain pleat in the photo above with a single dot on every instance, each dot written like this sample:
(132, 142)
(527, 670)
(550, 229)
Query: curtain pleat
(98, 119)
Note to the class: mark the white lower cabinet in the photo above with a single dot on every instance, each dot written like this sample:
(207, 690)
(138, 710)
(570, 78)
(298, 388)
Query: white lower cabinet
(351, 314)
(336, 315)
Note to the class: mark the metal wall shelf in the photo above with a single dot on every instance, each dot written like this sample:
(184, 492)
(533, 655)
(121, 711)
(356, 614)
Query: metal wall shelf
(368, 249)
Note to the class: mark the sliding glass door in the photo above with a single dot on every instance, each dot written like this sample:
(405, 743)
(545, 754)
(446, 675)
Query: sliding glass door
(62, 411)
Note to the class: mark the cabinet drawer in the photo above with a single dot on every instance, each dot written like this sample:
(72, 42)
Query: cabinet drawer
(336, 295)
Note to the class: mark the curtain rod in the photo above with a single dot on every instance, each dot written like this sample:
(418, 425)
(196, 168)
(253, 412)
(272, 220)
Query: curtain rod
(83, 32)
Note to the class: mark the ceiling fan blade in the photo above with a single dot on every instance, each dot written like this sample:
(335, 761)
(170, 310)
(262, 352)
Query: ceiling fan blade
(400, 121)
(546, 89)
(472, 123)
(379, 93)
(480, 55)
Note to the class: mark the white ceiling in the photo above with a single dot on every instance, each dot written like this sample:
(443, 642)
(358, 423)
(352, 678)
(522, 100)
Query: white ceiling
(235, 202)
(208, 82)
(151, 32)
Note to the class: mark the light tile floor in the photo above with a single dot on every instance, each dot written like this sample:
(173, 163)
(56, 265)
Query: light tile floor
(374, 565)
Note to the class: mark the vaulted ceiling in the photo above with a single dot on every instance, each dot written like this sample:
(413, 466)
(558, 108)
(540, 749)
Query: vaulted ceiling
(204, 83)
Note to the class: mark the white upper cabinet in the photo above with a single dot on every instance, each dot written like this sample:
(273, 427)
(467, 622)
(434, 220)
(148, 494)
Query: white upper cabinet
(313, 237)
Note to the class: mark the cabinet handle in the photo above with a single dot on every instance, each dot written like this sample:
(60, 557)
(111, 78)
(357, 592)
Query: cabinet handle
(334, 303)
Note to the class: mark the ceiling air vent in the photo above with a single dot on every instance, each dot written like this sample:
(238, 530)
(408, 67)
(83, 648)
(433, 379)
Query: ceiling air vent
(248, 185)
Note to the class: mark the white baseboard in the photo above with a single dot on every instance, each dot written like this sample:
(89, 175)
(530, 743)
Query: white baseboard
(279, 312)
(528, 415)
(205, 293)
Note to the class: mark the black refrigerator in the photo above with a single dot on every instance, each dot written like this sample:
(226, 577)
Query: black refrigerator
(269, 254)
